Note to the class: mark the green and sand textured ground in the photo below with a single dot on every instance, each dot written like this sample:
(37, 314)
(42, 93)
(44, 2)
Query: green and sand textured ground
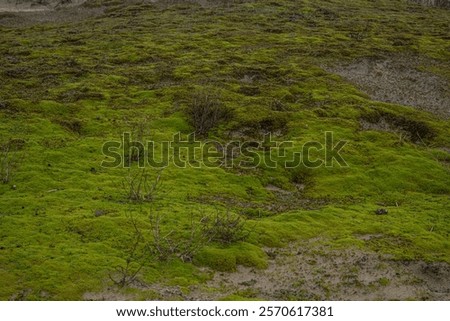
(375, 73)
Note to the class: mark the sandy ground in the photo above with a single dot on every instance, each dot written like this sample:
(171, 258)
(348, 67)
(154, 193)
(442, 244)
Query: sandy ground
(398, 80)
(28, 13)
(311, 271)
(34, 17)
(36, 6)
(306, 272)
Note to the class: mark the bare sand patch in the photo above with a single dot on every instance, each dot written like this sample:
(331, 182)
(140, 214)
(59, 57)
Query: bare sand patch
(312, 271)
(399, 80)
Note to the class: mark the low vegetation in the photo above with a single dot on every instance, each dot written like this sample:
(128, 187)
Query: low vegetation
(228, 70)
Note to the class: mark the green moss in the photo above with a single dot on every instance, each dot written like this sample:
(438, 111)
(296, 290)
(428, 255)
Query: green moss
(249, 255)
(217, 259)
(65, 94)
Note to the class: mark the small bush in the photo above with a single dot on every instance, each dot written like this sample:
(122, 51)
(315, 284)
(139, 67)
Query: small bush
(142, 186)
(73, 125)
(276, 124)
(205, 111)
(225, 228)
(139, 130)
(164, 243)
(127, 273)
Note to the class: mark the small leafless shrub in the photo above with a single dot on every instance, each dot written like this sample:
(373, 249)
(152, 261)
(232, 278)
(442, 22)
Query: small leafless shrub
(277, 124)
(126, 274)
(172, 243)
(225, 228)
(141, 186)
(137, 255)
(73, 125)
(139, 130)
(205, 111)
(162, 242)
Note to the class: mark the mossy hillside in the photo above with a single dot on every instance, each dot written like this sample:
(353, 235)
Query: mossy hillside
(68, 88)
